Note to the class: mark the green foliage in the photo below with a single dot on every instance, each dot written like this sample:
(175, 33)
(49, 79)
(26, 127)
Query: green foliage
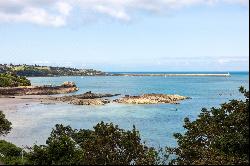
(12, 80)
(10, 154)
(106, 144)
(110, 145)
(218, 136)
(5, 125)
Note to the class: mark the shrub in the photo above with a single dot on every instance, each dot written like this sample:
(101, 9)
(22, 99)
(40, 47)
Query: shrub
(12, 80)
(10, 154)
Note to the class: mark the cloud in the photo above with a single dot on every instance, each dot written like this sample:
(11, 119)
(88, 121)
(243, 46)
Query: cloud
(119, 14)
(34, 15)
(39, 12)
(57, 12)
(63, 8)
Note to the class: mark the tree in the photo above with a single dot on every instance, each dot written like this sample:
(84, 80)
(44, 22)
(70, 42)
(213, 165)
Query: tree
(106, 144)
(218, 136)
(5, 125)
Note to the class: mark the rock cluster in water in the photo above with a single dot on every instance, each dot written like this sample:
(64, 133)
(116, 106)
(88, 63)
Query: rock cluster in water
(151, 99)
(90, 98)
(87, 98)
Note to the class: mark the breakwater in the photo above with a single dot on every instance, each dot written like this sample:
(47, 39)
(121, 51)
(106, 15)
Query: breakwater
(173, 75)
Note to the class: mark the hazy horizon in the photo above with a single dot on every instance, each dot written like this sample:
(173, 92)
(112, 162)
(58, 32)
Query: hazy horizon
(145, 71)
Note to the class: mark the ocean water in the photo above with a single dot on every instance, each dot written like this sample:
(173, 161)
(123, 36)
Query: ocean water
(156, 123)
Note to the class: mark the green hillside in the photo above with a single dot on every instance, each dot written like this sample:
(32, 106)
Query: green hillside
(36, 70)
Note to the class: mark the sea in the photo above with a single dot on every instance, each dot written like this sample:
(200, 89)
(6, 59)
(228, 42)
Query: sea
(156, 123)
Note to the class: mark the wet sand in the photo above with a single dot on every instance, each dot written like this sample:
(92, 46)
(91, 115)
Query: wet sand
(12, 102)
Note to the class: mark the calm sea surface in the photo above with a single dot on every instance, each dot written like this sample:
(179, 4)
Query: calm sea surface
(156, 123)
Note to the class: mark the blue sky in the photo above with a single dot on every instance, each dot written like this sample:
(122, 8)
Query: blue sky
(139, 35)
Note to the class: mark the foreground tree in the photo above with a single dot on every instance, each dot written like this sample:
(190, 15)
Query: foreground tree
(106, 144)
(218, 136)
(10, 154)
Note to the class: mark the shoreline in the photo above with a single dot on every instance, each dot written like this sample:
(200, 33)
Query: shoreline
(66, 87)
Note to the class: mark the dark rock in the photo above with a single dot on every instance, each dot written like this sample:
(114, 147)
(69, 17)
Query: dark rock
(87, 98)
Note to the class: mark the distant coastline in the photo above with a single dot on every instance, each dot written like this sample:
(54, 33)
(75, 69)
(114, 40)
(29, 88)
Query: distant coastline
(47, 71)
(51, 71)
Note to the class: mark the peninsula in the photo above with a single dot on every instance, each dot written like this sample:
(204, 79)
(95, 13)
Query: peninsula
(47, 71)
(66, 87)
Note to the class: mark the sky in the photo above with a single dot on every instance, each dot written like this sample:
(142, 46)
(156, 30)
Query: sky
(127, 35)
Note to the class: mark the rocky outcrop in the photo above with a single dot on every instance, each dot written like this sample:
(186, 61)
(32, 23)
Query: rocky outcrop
(90, 98)
(66, 87)
(89, 101)
(87, 98)
(151, 99)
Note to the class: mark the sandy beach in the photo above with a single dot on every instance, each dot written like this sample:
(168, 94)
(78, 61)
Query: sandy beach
(12, 102)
